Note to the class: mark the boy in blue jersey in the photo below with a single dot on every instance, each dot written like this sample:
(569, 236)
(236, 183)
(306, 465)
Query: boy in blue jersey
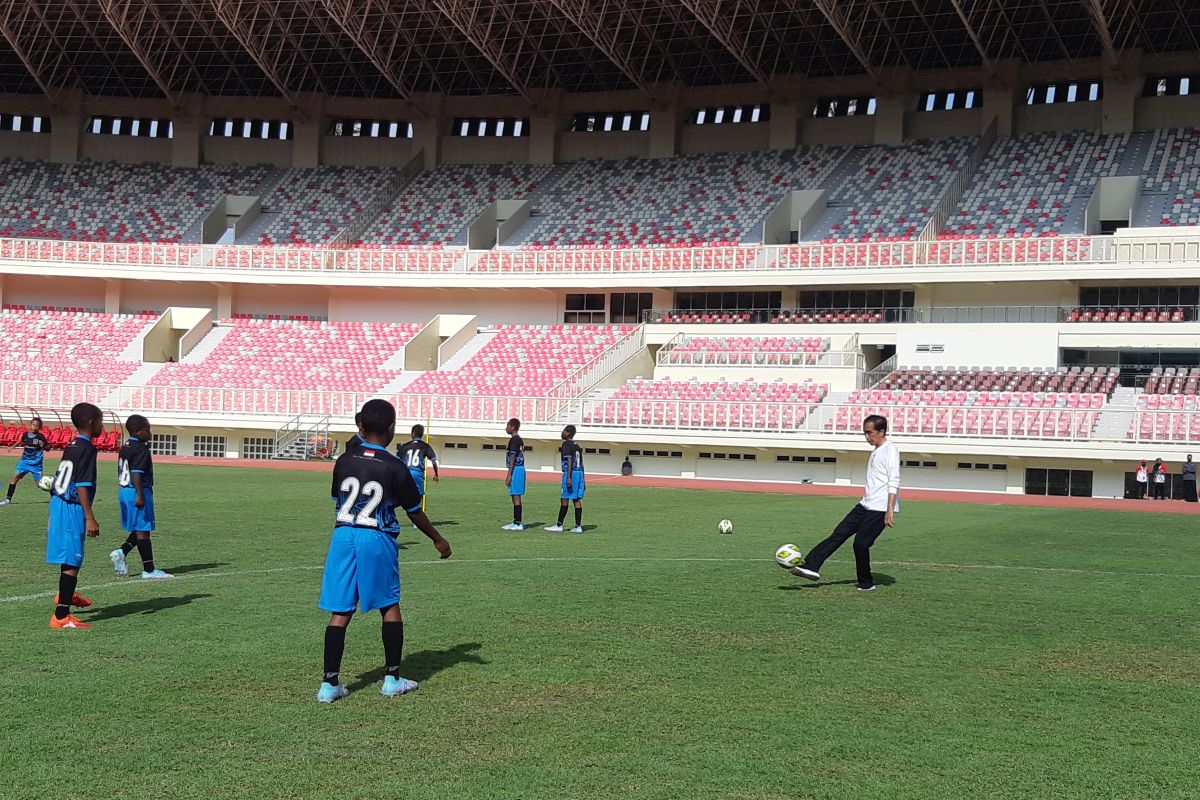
(35, 445)
(135, 495)
(355, 441)
(361, 567)
(414, 454)
(71, 517)
(572, 481)
(514, 460)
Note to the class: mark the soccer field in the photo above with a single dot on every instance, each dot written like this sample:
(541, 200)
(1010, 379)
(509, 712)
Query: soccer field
(1009, 653)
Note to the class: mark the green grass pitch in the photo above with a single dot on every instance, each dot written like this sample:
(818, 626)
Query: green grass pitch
(1013, 653)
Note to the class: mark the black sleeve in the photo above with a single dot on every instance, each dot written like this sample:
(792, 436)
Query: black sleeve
(140, 461)
(429, 453)
(404, 491)
(85, 467)
(44, 440)
(337, 482)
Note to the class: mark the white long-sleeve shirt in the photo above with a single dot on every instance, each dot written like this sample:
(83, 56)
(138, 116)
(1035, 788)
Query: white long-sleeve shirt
(883, 478)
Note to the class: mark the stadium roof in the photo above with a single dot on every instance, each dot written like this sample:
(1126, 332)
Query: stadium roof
(399, 48)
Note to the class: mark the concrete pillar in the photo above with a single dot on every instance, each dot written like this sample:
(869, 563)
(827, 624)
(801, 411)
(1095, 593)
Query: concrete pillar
(1118, 104)
(889, 120)
(224, 300)
(306, 142)
(1, 290)
(665, 125)
(789, 297)
(65, 129)
(112, 297)
(427, 139)
(186, 136)
(543, 138)
(783, 127)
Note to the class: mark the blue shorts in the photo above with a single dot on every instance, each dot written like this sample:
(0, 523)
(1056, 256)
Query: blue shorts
(65, 533)
(30, 466)
(362, 568)
(577, 486)
(516, 486)
(132, 517)
(418, 477)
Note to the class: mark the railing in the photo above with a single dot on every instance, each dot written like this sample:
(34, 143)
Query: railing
(583, 379)
(375, 206)
(838, 359)
(950, 197)
(874, 376)
(955, 314)
(812, 419)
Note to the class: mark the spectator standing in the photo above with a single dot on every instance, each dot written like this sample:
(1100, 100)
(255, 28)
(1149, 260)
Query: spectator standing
(1189, 480)
(1143, 478)
(1159, 470)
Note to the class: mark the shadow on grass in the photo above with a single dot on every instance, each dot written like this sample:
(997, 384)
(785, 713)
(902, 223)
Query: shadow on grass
(880, 580)
(424, 664)
(151, 606)
(183, 569)
(441, 523)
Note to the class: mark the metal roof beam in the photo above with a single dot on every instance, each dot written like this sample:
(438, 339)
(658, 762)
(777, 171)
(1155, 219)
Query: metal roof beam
(17, 25)
(837, 14)
(720, 21)
(258, 47)
(130, 19)
(588, 17)
(482, 33)
(974, 35)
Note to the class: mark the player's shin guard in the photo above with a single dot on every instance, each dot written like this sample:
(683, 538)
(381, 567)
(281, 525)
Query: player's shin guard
(130, 543)
(562, 513)
(393, 646)
(578, 516)
(517, 514)
(66, 590)
(12, 488)
(146, 551)
(335, 643)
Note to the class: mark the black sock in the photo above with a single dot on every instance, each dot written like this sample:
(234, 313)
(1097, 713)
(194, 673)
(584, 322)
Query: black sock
(66, 590)
(12, 487)
(517, 514)
(335, 643)
(146, 551)
(130, 543)
(562, 514)
(578, 516)
(393, 646)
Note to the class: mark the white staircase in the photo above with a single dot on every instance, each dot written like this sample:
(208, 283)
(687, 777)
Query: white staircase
(399, 383)
(1114, 421)
(464, 354)
(140, 377)
(206, 345)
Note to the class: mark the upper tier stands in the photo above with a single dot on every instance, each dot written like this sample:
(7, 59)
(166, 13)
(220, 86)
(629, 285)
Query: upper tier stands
(294, 354)
(1171, 179)
(438, 206)
(1173, 380)
(889, 193)
(741, 405)
(1036, 185)
(712, 199)
(315, 205)
(1021, 414)
(522, 361)
(1147, 314)
(68, 346)
(109, 202)
(1101, 380)
(747, 350)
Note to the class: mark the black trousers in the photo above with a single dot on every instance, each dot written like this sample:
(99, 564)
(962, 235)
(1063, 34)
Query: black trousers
(1189, 491)
(1141, 491)
(865, 526)
(1160, 490)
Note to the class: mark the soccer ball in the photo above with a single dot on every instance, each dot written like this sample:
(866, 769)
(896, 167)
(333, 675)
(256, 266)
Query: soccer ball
(725, 526)
(46, 483)
(789, 556)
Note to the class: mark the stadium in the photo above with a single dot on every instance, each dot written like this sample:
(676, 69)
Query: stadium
(713, 235)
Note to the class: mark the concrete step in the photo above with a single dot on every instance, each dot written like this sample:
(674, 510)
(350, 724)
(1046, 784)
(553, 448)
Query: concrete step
(206, 345)
(463, 354)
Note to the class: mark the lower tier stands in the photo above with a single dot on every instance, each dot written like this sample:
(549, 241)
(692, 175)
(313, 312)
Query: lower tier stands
(1102, 380)
(1167, 417)
(720, 405)
(1148, 314)
(67, 346)
(1173, 381)
(1015, 414)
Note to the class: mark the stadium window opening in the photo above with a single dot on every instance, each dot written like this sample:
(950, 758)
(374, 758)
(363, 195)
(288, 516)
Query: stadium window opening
(131, 126)
(238, 128)
(1064, 92)
(491, 126)
(844, 107)
(1171, 86)
(371, 128)
(24, 123)
(731, 115)
(610, 122)
(951, 100)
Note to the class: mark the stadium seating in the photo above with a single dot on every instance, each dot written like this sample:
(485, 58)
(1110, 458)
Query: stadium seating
(315, 205)
(1086, 380)
(1173, 381)
(521, 361)
(891, 191)
(1171, 179)
(719, 405)
(969, 413)
(436, 208)
(1135, 314)
(1167, 417)
(108, 202)
(58, 346)
(747, 350)
(835, 316)
(702, 200)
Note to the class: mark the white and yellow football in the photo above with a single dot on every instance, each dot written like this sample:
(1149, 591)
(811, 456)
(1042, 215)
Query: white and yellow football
(789, 556)
(725, 526)
(46, 483)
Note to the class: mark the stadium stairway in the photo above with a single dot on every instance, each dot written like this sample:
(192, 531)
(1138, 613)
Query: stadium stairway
(1117, 416)
(465, 353)
(207, 344)
(399, 383)
(140, 377)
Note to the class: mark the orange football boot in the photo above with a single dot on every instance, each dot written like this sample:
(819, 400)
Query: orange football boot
(66, 622)
(77, 600)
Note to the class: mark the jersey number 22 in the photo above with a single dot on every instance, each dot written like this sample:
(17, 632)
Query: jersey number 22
(365, 518)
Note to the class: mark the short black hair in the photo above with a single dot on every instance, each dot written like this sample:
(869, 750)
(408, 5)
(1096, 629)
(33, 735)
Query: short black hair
(377, 417)
(358, 418)
(877, 423)
(34, 418)
(514, 423)
(136, 422)
(84, 414)
(569, 430)
(418, 431)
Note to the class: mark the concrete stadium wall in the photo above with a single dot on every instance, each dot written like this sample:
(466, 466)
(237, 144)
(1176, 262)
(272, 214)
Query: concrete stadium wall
(159, 295)
(28, 146)
(124, 149)
(724, 138)
(230, 150)
(578, 146)
(352, 151)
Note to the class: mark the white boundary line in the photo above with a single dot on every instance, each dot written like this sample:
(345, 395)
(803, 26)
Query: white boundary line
(618, 559)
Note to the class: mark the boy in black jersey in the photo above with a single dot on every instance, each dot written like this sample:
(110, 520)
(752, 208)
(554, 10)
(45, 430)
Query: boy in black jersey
(414, 454)
(135, 496)
(361, 567)
(573, 486)
(34, 444)
(71, 517)
(514, 460)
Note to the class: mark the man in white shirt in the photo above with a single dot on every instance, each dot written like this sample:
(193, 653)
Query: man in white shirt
(867, 520)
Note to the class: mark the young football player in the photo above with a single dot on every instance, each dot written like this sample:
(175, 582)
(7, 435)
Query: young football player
(362, 566)
(414, 454)
(572, 481)
(135, 495)
(514, 459)
(71, 517)
(35, 446)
